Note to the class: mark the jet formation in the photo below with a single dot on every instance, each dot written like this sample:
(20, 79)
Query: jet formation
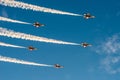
(84, 44)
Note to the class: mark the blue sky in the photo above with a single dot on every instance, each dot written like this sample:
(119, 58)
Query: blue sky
(79, 63)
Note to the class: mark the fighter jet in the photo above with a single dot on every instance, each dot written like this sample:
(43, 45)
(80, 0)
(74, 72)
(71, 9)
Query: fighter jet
(31, 48)
(37, 24)
(85, 44)
(88, 15)
(58, 66)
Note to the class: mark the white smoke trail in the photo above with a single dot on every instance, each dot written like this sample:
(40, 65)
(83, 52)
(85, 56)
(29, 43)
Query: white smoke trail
(11, 20)
(10, 45)
(12, 34)
(22, 5)
(13, 60)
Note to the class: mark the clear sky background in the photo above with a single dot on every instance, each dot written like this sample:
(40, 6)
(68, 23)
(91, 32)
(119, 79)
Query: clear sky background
(99, 62)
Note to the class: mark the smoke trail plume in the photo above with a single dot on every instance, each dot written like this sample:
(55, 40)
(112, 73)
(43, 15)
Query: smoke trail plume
(11, 20)
(22, 5)
(13, 34)
(10, 45)
(13, 60)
